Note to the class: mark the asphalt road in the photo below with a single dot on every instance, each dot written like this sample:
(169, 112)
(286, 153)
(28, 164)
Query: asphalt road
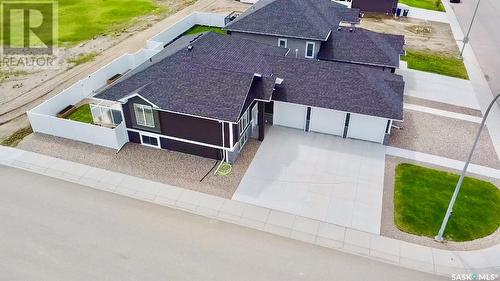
(55, 230)
(484, 37)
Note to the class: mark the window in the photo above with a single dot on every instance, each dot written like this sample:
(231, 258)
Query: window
(243, 123)
(243, 140)
(106, 116)
(144, 115)
(282, 42)
(149, 140)
(310, 50)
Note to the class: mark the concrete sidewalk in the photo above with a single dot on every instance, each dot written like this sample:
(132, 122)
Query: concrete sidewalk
(425, 14)
(284, 224)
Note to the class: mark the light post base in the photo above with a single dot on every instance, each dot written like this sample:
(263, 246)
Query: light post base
(439, 239)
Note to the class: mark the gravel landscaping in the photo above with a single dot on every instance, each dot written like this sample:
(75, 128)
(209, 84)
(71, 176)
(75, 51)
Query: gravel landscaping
(174, 168)
(443, 136)
(442, 106)
(389, 229)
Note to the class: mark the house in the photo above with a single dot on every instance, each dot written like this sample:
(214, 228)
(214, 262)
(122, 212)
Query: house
(317, 29)
(376, 6)
(208, 94)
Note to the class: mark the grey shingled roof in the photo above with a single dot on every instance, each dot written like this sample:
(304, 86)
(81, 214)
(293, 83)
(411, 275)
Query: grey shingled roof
(363, 46)
(309, 19)
(345, 87)
(215, 79)
(211, 80)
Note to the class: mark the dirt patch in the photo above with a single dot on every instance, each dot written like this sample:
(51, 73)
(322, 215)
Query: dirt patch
(27, 79)
(389, 229)
(419, 34)
(443, 136)
(169, 167)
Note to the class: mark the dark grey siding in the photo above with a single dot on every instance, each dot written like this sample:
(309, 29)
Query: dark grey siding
(191, 128)
(184, 147)
(134, 137)
(130, 120)
(375, 6)
(292, 43)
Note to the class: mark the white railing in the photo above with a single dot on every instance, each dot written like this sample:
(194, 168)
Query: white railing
(42, 117)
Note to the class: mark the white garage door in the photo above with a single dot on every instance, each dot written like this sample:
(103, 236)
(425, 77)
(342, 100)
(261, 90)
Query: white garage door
(289, 115)
(368, 128)
(327, 121)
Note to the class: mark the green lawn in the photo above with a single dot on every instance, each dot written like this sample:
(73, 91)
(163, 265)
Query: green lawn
(203, 28)
(422, 195)
(81, 20)
(82, 58)
(435, 5)
(443, 64)
(82, 114)
(14, 139)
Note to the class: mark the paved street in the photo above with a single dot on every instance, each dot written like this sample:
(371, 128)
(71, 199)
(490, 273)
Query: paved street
(55, 230)
(484, 37)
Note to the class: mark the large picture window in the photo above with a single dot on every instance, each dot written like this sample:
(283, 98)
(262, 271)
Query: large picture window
(144, 115)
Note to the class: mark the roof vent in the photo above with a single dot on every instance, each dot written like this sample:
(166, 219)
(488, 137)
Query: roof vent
(190, 47)
(351, 29)
(339, 28)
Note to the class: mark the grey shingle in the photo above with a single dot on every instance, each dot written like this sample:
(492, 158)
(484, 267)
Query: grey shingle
(363, 46)
(215, 79)
(309, 19)
(340, 86)
(210, 80)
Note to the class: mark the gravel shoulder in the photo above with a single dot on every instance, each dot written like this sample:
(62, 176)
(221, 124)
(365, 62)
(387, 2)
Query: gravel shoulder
(169, 167)
(389, 229)
(442, 106)
(443, 136)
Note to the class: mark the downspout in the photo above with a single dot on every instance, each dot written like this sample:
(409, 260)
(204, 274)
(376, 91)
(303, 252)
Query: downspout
(223, 152)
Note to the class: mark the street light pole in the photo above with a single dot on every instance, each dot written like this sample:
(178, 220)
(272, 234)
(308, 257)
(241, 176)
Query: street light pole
(466, 38)
(439, 237)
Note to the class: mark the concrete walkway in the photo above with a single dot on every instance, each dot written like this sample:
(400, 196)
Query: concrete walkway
(425, 14)
(442, 161)
(443, 113)
(439, 88)
(284, 224)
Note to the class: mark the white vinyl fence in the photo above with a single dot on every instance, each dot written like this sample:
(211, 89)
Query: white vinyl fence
(43, 117)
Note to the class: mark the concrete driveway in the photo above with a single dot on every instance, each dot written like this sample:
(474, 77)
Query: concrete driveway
(317, 176)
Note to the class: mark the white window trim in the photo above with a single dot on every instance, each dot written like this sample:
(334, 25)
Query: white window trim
(284, 40)
(313, 50)
(151, 136)
(243, 120)
(143, 109)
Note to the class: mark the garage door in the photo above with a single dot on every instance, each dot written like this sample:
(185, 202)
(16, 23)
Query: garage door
(327, 121)
(368, 128)
(289, 115)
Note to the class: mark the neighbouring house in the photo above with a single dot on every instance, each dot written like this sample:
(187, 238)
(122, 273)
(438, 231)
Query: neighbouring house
(208, 94)
(317, 29)
(376, 6)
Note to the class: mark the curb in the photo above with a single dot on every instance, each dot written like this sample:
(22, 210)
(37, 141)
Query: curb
(307, 230)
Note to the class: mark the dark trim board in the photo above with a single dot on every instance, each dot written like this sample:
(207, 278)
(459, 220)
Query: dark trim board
(189, 148)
